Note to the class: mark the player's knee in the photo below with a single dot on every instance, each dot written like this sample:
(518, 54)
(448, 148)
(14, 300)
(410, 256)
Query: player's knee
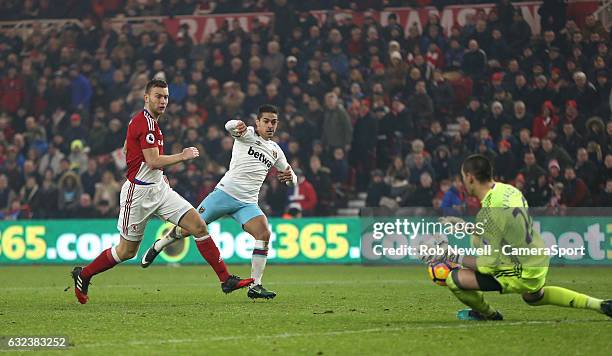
(452, 279)
(533, 299)
(125, 253)
(200, 228)
(264, 235)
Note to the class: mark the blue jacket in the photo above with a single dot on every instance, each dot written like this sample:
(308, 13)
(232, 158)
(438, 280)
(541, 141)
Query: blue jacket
(452, 198)
(81, 92)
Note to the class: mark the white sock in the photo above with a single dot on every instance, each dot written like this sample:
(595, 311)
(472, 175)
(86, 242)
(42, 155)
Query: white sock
(175, 234)
(258, 261)
(202, 238)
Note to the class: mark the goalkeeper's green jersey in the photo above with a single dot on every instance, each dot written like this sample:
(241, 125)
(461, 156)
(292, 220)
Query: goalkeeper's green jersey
(506, 222)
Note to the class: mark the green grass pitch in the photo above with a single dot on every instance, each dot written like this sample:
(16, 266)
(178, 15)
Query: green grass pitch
(326, 310)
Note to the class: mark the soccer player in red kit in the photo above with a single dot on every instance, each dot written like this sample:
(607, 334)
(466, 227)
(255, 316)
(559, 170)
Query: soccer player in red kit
(146, 192)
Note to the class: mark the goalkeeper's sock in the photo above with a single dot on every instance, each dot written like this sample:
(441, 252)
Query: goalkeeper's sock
(105, 261)
(567, 298)
(208, 249)
(175, 234)
(258, 260)
(472, 298)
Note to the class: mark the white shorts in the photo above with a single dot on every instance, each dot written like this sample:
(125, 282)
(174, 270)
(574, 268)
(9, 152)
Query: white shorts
(140, 202)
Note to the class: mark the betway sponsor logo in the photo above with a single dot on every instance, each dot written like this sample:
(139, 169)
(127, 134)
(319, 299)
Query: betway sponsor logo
(260, 156)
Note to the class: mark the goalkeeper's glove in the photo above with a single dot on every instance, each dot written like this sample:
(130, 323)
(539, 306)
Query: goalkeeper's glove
(435, 255)
(433, 245)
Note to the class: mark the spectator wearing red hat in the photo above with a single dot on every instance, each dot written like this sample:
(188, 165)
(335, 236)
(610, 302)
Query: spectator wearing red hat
(505, 162)
(573, 116)
(494, 83)
(76, 130)
(557, 82)
(546, 121)
(219, 70)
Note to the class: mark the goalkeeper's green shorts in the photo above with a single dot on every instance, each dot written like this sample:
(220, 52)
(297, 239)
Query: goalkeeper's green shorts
(517, 280)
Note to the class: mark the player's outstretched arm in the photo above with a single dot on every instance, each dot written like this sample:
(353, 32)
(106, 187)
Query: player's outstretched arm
(156, 161)
(285, 173)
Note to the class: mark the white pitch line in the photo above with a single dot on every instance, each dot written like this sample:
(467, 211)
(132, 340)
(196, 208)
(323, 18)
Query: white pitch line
(467, 325)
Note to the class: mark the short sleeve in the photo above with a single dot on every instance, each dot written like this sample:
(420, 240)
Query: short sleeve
(145, 132)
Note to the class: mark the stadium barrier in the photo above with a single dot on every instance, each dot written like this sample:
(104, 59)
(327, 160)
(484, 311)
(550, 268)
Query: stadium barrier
(298, 241)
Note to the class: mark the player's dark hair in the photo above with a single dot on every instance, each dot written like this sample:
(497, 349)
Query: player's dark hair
(267, 108)
(155, 83)
(479, 166)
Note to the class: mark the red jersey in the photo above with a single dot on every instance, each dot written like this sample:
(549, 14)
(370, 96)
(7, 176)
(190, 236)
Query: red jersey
(143, 132)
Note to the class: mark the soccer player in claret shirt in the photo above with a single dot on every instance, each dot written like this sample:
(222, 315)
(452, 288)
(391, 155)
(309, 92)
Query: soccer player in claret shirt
(146, 192)
(504, 221)
(253, 155)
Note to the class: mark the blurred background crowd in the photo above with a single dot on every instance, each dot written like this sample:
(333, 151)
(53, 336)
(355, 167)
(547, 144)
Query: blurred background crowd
(381, 113)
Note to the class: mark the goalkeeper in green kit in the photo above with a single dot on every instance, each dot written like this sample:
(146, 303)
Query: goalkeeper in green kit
(505, 221)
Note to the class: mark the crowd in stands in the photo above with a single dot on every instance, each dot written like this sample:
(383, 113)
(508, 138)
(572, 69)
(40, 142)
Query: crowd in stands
(54, 9)
(364, 108)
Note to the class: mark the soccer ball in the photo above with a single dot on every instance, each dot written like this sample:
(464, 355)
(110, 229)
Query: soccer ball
(439, 271)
